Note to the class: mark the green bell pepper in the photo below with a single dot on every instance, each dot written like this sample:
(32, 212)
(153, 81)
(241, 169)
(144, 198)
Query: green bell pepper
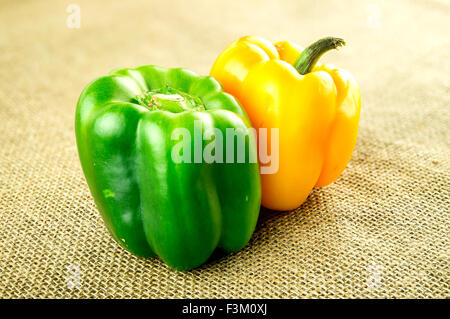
(152, 205)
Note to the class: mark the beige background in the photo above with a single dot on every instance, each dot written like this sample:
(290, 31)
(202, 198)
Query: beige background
(381, 230)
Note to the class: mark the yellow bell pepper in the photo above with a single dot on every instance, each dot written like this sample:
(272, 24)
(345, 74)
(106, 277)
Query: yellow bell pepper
(315, 108)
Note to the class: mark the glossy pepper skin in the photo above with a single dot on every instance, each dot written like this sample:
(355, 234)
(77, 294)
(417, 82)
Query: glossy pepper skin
(151, 204)
(316, 109)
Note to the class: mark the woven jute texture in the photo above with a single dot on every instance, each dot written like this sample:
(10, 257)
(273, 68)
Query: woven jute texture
(381, 230)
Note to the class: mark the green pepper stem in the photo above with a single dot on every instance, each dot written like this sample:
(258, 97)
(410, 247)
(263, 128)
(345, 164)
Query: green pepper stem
(170, 99)
(309, 57)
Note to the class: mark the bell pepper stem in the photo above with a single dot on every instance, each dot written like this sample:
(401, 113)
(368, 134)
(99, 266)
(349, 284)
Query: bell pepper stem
(169, 99)
(309, 57)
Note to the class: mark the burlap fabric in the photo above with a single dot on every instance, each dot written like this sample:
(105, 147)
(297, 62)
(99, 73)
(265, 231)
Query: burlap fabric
(381, 230)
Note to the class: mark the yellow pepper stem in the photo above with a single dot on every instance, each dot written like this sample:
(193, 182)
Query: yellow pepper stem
(309, 57)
